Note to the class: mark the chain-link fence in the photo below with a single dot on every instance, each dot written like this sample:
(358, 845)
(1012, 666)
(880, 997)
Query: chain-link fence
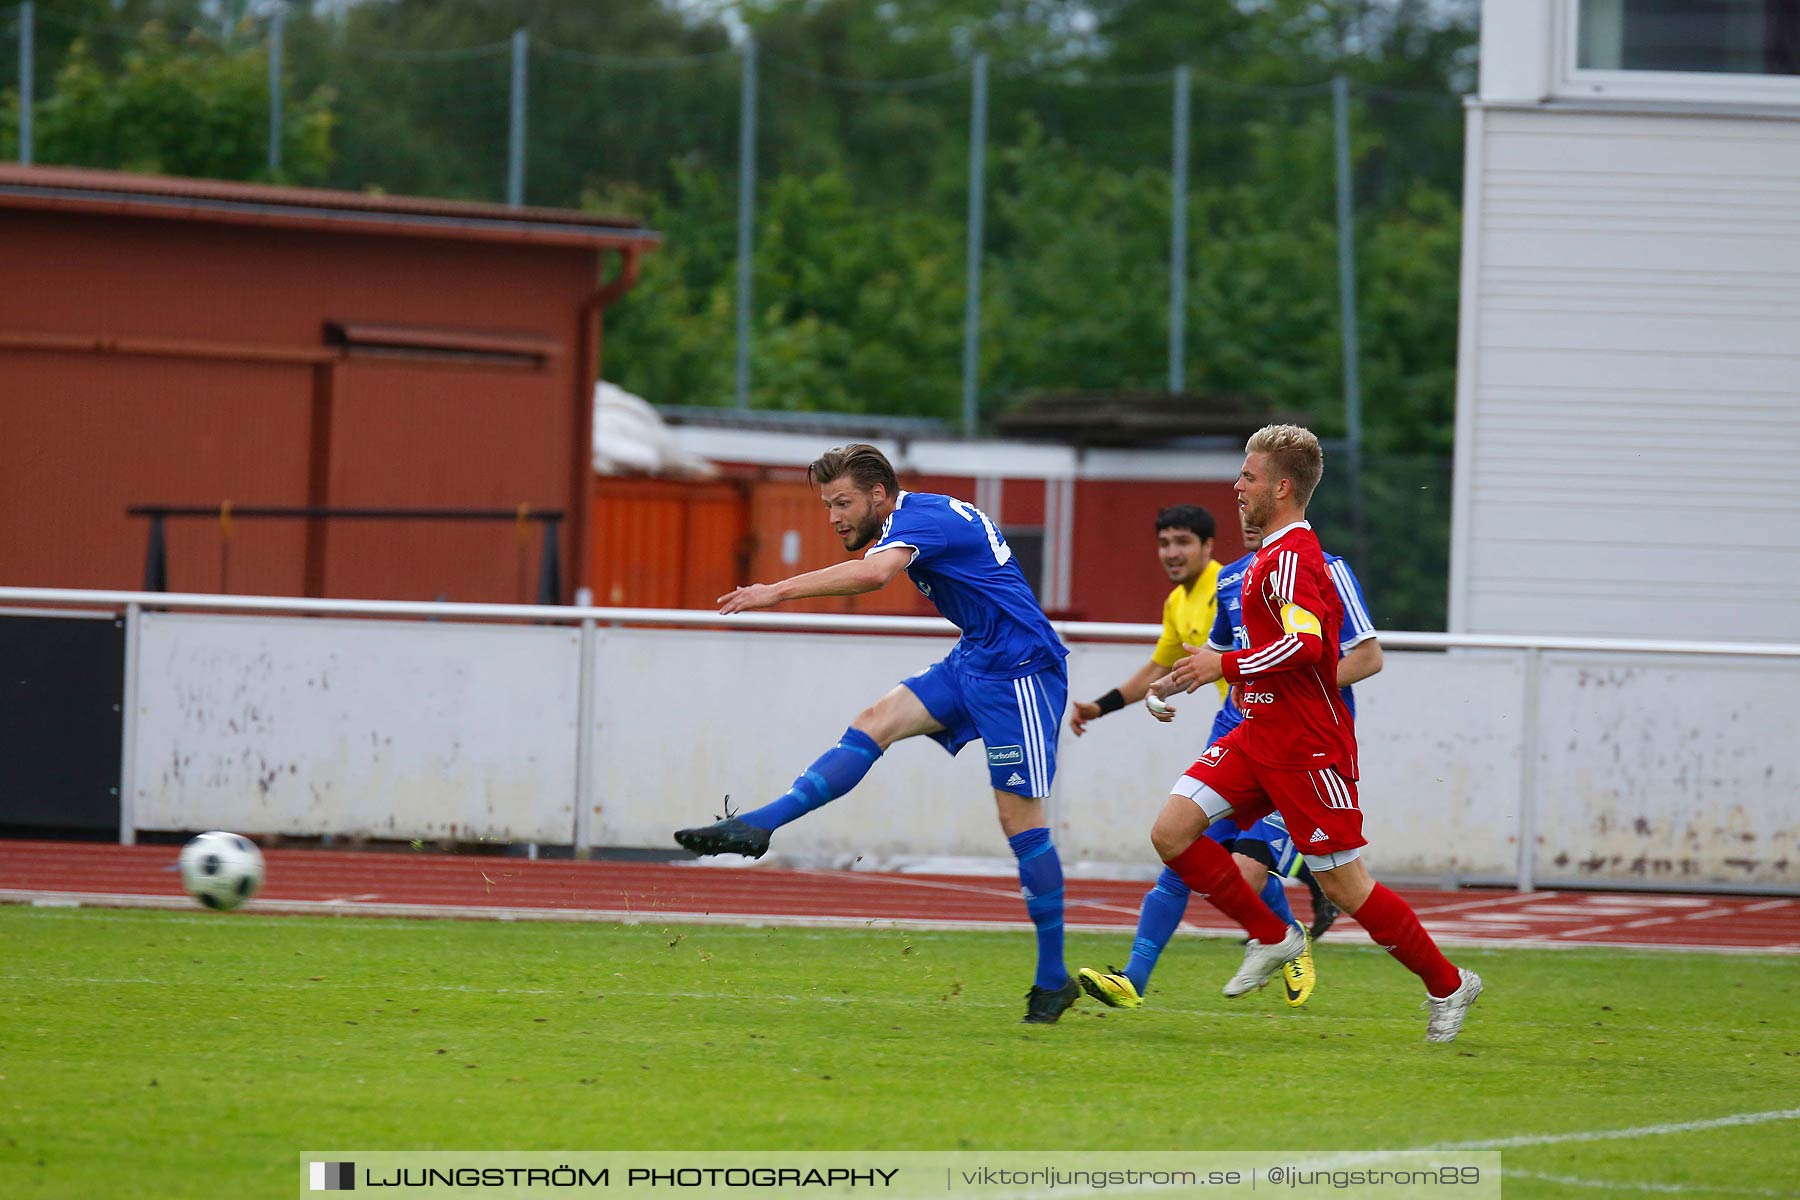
(943, 244)
(859, 239)
(615, 131)
(1389, 514)
(408, 121)
(12, 57)
(1080, 238)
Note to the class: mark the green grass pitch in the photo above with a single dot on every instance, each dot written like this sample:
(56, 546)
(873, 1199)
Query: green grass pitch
(138, 1047)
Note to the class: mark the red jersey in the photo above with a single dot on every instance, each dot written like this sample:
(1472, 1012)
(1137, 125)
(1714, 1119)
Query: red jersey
(1294, 716)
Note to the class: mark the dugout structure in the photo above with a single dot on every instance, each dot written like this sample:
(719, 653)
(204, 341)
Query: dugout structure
(185, 342)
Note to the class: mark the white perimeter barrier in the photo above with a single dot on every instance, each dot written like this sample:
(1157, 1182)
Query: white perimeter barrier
(1507, 759)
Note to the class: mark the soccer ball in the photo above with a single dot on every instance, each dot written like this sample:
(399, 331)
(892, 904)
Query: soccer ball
(221, 870)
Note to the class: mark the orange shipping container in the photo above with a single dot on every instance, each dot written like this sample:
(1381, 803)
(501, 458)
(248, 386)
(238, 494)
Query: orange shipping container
(666, 544)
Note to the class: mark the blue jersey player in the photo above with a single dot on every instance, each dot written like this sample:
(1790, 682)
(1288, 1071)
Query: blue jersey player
(1004, 681)
(1264, 852)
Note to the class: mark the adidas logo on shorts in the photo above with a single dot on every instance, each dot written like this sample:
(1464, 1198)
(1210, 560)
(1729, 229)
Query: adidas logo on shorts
(1318, 836)
(1016, 780)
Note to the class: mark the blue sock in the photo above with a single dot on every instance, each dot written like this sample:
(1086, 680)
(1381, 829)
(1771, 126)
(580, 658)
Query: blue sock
(1164, 905)
(1275, 896)
(1041, 878)
(837, 771)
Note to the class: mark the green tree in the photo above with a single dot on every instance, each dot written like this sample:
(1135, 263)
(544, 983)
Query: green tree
(862, 153)
(178, 106)
(668, 339)
(857, 311)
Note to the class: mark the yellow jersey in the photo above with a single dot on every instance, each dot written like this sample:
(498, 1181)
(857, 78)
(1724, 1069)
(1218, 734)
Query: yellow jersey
(1188, 616)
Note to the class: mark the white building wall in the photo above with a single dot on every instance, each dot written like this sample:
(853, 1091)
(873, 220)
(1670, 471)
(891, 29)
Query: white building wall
(1628, 409)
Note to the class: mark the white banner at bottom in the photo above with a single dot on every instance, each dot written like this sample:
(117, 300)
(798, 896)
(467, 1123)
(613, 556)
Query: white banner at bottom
(975, 1175)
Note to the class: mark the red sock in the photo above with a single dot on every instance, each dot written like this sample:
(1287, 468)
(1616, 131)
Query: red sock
(1207, 867)
(1396, 929)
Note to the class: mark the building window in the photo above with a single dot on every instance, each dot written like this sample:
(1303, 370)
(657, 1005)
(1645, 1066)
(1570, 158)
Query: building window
(1028, 551)
(1710, 37)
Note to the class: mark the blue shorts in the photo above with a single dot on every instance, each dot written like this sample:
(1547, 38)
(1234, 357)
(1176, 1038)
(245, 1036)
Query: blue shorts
(1016, 719)
(1270, 830)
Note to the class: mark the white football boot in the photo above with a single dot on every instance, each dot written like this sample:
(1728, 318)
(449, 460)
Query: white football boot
(1447, 1012)
(1260, 961)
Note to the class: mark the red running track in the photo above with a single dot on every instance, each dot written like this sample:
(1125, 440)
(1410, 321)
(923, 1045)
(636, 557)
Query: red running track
(430, 884)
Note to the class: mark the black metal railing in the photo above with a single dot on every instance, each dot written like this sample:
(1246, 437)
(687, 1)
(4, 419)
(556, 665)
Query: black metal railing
(156, 556)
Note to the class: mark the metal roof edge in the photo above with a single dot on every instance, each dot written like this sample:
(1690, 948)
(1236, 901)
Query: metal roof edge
(66, 193)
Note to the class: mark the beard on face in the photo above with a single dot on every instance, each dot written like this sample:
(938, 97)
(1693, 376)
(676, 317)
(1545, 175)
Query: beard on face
(862, 533)
(1256, 510)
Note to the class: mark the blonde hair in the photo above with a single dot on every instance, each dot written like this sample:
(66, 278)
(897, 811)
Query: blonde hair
(1295, 454)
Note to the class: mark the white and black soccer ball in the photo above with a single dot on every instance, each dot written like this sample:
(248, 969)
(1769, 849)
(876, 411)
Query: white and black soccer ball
(221, 870)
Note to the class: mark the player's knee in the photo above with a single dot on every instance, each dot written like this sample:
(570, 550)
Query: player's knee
(1170, 838)
(876, 725)
(1347, 886)
(1254, 873)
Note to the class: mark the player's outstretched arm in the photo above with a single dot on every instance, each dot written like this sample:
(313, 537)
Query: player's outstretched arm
(851, 578)
(1129, 692)
(1201, 667)
(1359, 662)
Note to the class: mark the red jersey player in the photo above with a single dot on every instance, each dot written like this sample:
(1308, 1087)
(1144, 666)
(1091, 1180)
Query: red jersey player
(1295, 753)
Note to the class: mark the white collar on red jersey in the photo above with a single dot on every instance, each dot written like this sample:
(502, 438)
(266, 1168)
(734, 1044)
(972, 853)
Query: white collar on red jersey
(1270, 537)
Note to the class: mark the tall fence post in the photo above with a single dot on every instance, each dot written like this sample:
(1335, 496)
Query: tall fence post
(1352, 348)
(1528, 769)
(978, 104)
(128, 725)
(27, 53)
(583, 832)
(515, 137)
(1178, 235)
(277, 23)
(746, 216)
(156, 557)
(550, 565)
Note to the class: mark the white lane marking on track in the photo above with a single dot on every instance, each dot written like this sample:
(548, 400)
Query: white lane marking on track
(993, 890)
(1615, 1186)
(1607, 1135)
(1644, 901)
(1766, 905)
(1522, 917)
(1590, 911)
(1427, 909)
(1639, 924)
(1449, 933)
(378, 918)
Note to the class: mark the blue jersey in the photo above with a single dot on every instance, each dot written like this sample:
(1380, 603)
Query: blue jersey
(965, 568)
(1228, 627)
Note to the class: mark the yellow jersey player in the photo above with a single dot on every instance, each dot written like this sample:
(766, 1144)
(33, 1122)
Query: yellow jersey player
(1184, 546)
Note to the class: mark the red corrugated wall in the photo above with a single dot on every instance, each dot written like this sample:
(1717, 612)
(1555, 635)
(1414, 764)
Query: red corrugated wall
(1116, 575)
(680, 545)
(661, 543)
(87, 433)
